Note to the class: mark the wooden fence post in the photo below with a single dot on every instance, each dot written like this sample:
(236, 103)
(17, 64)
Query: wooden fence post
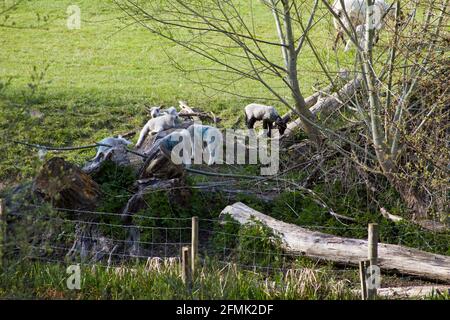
(185, 266)
(372, 255)
(362, 275)
(194, 244)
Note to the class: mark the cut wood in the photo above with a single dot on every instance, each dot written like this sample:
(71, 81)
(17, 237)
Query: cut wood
(186, 109)
(298, 240)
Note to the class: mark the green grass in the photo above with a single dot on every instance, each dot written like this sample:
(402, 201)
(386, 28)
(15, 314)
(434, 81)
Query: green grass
(39, 280)
(96, 80)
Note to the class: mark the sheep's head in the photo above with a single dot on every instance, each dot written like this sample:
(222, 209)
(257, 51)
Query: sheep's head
(281, 125)
(155, 112)
(123, 140)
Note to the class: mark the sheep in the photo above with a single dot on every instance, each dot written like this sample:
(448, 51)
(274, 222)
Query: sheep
(110, 141)
(156, 125)
(267, 114)
(359, 31)
(155, 112)
(201, 134)
(171, 110)
(356, 12)
(194, 138)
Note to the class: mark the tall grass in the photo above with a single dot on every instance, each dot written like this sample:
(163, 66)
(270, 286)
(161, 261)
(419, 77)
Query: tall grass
(162, 280)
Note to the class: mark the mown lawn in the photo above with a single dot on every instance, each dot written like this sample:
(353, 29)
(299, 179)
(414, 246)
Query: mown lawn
(96, 80)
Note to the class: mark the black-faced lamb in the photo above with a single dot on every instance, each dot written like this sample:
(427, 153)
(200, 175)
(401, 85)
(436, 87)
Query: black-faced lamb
(267, 114)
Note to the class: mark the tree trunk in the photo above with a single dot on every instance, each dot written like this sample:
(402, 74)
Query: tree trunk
(292, 76)
(298, 240)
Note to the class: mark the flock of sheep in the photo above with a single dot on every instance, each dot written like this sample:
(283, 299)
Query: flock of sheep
(348, 14)
(166, 119)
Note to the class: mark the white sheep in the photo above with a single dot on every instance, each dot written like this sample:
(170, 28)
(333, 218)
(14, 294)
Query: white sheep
(267, 114)
(359, 31)
(156, 125)
(112, 142)
(171, 110)
(211, 136)
(356, 12)
(155, 112)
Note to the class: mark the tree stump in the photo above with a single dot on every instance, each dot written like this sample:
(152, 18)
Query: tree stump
(66, 186)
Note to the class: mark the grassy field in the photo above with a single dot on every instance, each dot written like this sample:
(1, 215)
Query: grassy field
(72, 87)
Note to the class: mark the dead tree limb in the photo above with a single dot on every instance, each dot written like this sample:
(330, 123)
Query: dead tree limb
(434, 226)
(412, 292)
(327, 104)
(298, 240)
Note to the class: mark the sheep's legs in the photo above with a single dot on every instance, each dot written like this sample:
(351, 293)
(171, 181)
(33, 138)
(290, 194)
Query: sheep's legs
(339, 35)
(268, 126)
(142, 136)
(251, 123)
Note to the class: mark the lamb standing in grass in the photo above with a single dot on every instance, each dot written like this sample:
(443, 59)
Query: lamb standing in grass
(157, 125)
(193, 140)
(267, 114)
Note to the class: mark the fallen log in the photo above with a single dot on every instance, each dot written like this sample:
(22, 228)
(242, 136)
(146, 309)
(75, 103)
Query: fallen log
(412, 292)
(298, 240)
(177, 191)
(310, 101)
(327, 104)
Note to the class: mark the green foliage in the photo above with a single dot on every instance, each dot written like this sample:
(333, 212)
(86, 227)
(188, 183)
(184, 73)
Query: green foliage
(251, 244)
(116, 184)
(259, 246)
(37, 84)
(38, 280)
(295, 208)
(225, 234)
(173, 209)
